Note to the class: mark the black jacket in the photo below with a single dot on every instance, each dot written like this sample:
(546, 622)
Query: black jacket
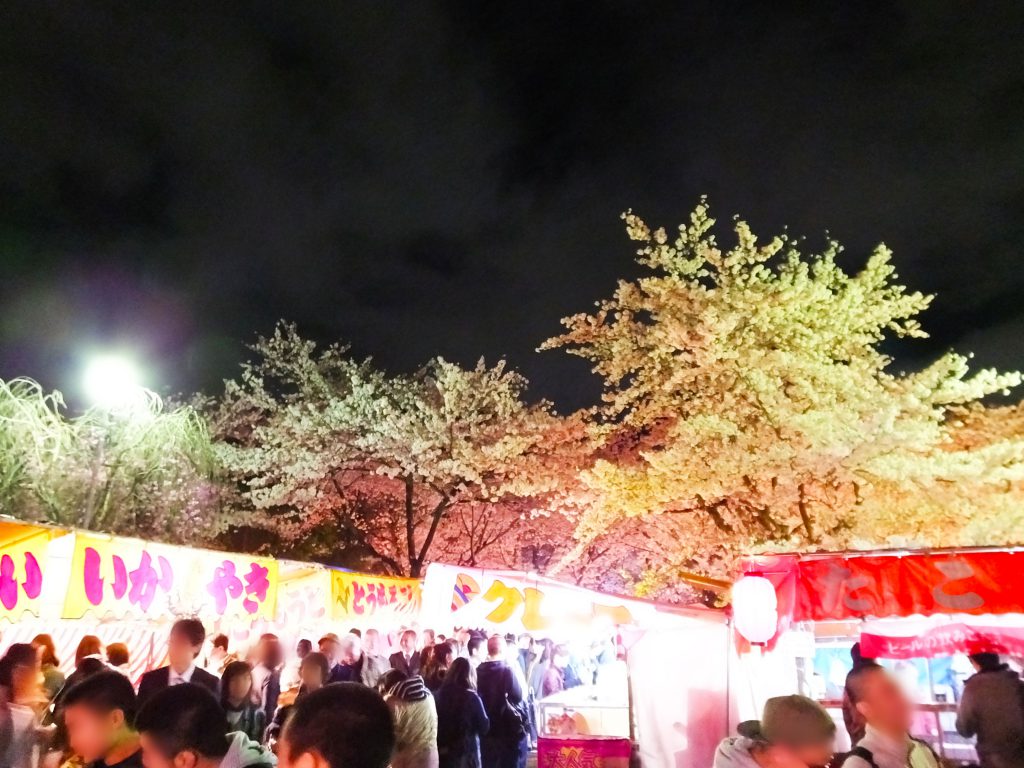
(156, 680)
(410, 667)
(461, 721)
(497, 683)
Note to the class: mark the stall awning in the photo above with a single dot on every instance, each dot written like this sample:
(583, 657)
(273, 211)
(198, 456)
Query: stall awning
(926, 636)
(820, 587)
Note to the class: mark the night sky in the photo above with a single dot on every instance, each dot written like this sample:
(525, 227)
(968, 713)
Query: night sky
(446, 179)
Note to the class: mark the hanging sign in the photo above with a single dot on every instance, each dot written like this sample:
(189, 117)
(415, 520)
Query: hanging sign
(133, 578)
(852, 587)
(942, 636)
(22, 562)
(514, 602)
(241, 586)
(381, 599)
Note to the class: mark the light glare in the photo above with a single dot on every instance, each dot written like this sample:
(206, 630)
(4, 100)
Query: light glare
(112, 382)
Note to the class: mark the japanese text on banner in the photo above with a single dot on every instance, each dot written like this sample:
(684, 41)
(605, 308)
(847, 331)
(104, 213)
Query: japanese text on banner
(241, 586)
(382, 599)
(21, 575)
(121, 577)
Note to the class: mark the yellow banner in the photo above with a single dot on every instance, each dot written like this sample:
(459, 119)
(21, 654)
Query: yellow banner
(241, 586)
(22, 562)
(131, 578)
(380, 599)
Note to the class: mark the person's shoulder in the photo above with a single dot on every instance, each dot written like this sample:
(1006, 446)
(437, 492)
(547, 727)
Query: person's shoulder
(204, 677)
(154, 675)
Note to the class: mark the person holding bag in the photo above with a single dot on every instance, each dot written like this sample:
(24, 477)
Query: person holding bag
(506, 744)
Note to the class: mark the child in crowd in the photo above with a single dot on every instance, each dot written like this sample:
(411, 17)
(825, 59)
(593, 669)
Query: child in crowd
(236, 699)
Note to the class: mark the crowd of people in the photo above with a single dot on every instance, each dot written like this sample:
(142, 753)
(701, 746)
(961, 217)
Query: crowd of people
(797, 732)
(435, 702)
(345, 702)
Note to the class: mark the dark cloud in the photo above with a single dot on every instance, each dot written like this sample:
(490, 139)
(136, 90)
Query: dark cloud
(446, 178)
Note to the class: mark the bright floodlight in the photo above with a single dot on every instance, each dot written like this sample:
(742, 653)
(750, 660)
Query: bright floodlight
(113, 382)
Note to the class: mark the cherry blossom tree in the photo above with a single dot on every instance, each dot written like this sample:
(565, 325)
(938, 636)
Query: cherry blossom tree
(746, 395)
(443, 462)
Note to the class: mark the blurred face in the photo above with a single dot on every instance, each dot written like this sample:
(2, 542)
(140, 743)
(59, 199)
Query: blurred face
(371, 640)
(429, 638)
(329, 648)
(310, 676)
(811, 756)
(884, 705)
(239, 687)
(408, 643)
(180, 651)
(92, 734)
(350, 651)
(27, 679)
(462, 636)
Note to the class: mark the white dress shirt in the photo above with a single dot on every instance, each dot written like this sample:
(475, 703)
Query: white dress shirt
(173, 678)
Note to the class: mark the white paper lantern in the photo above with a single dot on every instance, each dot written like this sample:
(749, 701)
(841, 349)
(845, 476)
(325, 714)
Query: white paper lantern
(755, 609)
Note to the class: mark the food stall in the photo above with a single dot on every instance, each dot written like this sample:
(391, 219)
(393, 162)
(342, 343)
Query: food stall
(918, 612)
(70, 583)
(679, 658)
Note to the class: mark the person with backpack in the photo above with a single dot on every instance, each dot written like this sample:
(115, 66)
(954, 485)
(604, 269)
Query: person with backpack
(852, 719)
(505, 745)
(888, 714)
(992, 708)
(793, 732)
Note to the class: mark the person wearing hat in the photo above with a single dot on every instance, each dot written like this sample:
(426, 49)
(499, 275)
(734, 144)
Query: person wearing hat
(793, 732)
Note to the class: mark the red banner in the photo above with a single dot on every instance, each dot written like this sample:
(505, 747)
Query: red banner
(818, 588)
(943, 640)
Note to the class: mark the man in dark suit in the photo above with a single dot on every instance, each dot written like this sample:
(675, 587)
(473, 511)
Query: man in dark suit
(407, 660)
(183, 647)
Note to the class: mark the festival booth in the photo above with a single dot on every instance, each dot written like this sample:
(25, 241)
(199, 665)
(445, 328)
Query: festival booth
(653, 675)
(918, 613)
(71, 583)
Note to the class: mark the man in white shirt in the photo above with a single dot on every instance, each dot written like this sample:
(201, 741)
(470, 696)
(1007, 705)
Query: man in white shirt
(888, 713)
(184, 644)
(407, 659)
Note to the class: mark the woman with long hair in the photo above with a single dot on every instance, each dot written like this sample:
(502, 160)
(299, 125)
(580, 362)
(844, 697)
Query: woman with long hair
(21, 680)
(461, 719)
(436, 666)
(236, 699)
(53, 678)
